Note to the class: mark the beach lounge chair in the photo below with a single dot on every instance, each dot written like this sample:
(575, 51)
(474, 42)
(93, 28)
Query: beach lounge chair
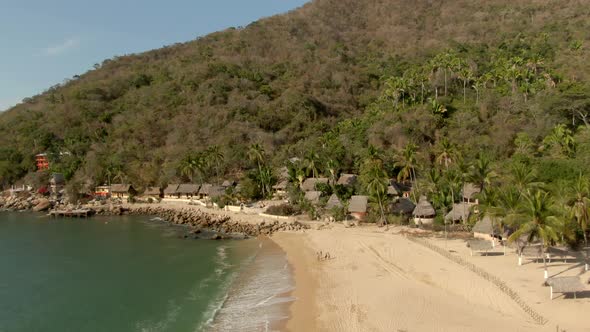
(565, 285)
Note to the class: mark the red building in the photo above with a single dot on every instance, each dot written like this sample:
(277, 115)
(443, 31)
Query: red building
(42, 162)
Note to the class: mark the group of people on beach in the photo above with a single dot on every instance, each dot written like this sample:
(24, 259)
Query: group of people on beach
(323, 256)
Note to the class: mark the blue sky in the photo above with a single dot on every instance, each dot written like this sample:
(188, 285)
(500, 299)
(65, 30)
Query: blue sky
(44, 42)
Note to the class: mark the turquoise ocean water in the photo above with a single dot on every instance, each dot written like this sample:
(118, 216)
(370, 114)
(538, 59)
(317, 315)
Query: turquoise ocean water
(130, 274)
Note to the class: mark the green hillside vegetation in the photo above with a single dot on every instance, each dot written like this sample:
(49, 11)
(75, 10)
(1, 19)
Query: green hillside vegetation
(439, 93)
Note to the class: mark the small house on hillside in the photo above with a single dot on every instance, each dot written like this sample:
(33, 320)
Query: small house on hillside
(204, 190)
(313, 197)
(103, 191)
(470, 192)
(154, 193)
(123, 191)
(42, 162)
(424, 212)
(402, 207)
(347, 180)
(57, 182)
(171, 191)
(215, 191)
(280, 189)
(357, 207)
(310, 184)
(187, 190)
(333, 202)
(459, 213)
(398, 189)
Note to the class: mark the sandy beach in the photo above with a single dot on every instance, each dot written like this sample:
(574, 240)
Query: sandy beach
(381, 281)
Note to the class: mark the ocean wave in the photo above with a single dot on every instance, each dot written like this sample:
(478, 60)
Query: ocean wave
(171, 315)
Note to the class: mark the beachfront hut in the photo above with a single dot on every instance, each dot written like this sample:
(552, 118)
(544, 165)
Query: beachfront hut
(470, 192)
(333, 202)
(103, 191)
(424, 212)
(154, 193)
(215, 191)
(123, 191)
(486, 229)
(204, 190)
(188, 190)
(171, 191)
(280, 189)
(310, 184)
(395, 188)
(402, 207)
(347, 180)
(565, 285)
(357, 207)
(459, 213)
(313, 197)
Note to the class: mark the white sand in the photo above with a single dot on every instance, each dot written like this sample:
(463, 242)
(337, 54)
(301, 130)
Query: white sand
(383, 282)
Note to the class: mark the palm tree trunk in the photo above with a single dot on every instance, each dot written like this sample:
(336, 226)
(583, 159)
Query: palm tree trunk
(585, 251)
(381, 208)
(464, 90)
(546, 274)
(445, 82)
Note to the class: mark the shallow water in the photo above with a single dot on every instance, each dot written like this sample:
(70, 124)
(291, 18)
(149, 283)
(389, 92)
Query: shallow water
(128, 274)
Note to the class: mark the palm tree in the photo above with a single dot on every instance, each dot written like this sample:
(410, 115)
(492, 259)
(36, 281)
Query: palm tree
(406, 160)
(581, 211)
(523, 177)
(256, 154)
(332, 169)
(375, 179)
(446, 152)
(214, 157)
(312, 161)
(481, 172)
(538, 221)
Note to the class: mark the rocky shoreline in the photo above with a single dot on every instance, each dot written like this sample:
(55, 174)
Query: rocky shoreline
(198, 224)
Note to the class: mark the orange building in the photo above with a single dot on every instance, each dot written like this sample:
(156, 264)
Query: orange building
(42, 162)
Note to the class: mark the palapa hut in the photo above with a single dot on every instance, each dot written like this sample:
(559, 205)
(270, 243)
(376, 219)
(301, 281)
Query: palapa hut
(310, 184)
(204, 190)
(171, 191)
(424, 213)
(486, 229)
(470, 191)
(188, 190)
(357, 207)
(215, 191)
(313, 197)
(347, 180)
(280, 189)
(459, 213)
(154, 193)
(402, 207)
(333, 202)
(395, 188)
(123, 191)
(103, 191)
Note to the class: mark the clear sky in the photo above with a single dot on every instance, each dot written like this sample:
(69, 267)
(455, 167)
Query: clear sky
(44, 42)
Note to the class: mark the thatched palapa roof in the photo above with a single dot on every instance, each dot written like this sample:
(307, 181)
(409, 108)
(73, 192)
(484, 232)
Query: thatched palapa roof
(187, 189)
(171, 189)
(333, 202)
(281, 185)
(313, 196)
(460, 212)
(565, 284)
(470, 190)
(484, 226)
(403, 206)
(153, 191)
(358, 204)
(424, 209)
(347, 179)
(121, 188)
(309, 184)
(216, 191)
(480, 245)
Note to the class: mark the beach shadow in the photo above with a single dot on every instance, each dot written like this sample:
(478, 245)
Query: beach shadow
(493, 254)
(579, 295)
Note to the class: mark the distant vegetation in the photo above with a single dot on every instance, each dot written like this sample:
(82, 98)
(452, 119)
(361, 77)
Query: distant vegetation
(438, 93)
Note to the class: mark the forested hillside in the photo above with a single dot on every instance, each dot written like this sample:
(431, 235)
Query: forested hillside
(417, 84)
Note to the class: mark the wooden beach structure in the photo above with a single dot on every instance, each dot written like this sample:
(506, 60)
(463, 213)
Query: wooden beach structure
(313, 197)
(357, 207)
(565, 285)
(424, 212)
(333, 202)
(347, 180)
(470, 192)
(123, 191)
(310, 184)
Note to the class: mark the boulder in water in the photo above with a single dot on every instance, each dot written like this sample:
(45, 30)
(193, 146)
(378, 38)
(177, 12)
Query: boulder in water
(43, 205)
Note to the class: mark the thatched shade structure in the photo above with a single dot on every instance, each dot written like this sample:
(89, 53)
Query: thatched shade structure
(403, 206)
(187, 189)
(122, 190)
(470, 191)
(424, 209)
(459, 213)
(215, 191)
(309, 184)
(313, 196)
(486, 229)
(154, 192)
(565, 285)
(333, 202)
(171, 190)
(358, 206)
(347, 180)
